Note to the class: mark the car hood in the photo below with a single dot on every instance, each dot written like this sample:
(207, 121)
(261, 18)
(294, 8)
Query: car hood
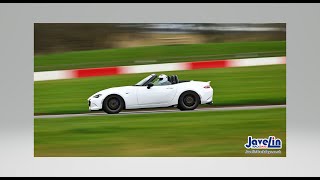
(111, 90)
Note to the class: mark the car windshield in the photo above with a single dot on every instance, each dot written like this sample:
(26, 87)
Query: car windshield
(143, 81)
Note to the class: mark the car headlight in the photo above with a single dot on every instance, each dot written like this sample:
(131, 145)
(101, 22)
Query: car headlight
(97, 95)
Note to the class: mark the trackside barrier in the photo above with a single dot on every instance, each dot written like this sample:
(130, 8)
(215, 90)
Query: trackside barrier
(107, 71)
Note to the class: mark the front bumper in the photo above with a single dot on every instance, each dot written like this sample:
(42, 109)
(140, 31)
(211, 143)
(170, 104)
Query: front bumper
(94, 104)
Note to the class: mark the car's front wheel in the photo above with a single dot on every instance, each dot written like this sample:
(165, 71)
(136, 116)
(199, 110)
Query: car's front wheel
(188, 101)
(113, 104)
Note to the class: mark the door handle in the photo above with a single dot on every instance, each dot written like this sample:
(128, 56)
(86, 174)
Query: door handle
(169, 88)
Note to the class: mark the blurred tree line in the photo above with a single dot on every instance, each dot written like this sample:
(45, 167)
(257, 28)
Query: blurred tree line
(62, 37)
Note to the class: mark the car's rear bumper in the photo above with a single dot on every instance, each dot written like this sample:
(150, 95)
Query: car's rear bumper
(209, 102)
(207, 96)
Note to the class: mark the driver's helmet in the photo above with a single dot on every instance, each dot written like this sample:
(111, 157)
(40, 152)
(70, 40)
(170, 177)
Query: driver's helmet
(163, 78)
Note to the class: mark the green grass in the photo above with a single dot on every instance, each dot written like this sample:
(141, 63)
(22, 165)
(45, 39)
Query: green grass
(158, 54)
(233, 86)
(196, 134)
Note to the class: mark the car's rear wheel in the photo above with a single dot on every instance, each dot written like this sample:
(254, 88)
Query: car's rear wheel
(113, 104)
(188, 101)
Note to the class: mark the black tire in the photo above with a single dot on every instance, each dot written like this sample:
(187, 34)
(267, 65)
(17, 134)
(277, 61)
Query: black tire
(180, 108)
(188, 101)
(113, 104)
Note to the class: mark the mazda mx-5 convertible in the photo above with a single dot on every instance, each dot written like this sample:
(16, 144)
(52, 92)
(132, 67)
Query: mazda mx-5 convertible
(151, 92)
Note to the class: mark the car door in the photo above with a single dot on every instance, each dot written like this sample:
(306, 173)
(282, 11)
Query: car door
(156, 94)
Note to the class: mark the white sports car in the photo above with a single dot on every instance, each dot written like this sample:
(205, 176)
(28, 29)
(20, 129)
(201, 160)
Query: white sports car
(147, 93)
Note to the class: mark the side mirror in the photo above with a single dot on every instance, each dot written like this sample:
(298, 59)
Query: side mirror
(149, 85)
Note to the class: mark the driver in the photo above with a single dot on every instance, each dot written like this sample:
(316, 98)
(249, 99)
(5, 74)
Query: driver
(163, 80)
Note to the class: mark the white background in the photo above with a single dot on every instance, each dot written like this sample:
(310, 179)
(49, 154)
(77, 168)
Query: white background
(16, 77)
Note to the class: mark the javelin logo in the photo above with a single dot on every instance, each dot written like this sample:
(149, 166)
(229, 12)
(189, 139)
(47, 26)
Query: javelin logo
(263, 143)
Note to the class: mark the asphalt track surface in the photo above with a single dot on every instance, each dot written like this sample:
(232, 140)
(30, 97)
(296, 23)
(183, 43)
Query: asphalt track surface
(161, 110)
